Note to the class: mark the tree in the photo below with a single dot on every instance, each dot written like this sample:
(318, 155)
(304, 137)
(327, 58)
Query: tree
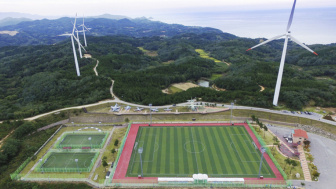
(253, 117)
(104, 161)
(293, 164)
(113, 151)
(116, 142)
(306, 143)
(127, 120)
(316, 173)
(265, 130)
(287, 161)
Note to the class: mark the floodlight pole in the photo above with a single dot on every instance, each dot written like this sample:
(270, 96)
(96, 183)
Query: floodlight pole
(263, 150)
(140, 150)
(76, 160)
(150, 111)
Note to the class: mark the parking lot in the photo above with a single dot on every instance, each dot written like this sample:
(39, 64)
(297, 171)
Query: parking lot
(324, 152)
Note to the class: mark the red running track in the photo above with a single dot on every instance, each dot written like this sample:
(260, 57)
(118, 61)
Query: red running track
(121, 170)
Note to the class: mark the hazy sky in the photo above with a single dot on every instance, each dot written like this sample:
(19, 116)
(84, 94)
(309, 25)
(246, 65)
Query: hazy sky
(137, 8)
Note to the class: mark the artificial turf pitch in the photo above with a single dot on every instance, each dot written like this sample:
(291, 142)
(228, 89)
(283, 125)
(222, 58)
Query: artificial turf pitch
(219, 151)
(82, 140)
(67, 160)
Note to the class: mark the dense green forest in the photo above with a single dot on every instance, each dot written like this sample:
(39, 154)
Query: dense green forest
(40, 78)
(23, 143)
(46, 32)
(37, 79)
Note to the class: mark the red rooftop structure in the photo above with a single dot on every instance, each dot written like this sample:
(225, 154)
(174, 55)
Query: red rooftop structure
(299, 136)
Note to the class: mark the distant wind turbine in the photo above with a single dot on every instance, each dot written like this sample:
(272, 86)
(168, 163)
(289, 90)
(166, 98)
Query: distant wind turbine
(84, 27)
(283, 57)
(72, 36)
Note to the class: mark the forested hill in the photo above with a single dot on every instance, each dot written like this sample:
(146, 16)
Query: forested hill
(41, 78)
(45, 32)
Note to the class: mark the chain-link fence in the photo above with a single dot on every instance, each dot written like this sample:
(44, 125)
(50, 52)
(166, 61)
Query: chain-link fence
(263, 144)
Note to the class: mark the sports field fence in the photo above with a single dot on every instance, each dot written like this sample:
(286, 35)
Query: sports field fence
(263, 144)
(136, 183)
(76, 146)
(40, 167)
(109, 180)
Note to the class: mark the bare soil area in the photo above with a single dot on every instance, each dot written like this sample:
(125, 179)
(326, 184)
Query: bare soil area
(11, 33)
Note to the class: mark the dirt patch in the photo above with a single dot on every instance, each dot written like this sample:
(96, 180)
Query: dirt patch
(261, 88)
(166, 91)
(11, 33)
(227, 63)
(185, 86)
(217, 89)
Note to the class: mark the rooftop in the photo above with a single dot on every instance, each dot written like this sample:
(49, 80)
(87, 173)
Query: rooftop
(300, 133)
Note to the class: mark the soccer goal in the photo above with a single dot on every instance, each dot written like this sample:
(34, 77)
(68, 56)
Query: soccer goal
(255, 146)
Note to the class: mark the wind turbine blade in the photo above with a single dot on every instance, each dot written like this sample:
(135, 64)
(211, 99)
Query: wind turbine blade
(88, 29)
(66, 34)
(79, 43)
(303, 45)
(74, 24)
(269, 40)
(281, 67)
(291, 16)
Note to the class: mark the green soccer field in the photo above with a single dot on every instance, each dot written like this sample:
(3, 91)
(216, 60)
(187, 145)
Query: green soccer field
(66, 161)
(82, 140)
(219, 151)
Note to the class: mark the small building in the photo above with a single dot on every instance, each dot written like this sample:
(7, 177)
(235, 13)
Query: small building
(299, 136)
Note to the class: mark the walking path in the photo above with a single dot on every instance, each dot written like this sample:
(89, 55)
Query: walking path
(6, 137)
(95, 68)
(304, 164)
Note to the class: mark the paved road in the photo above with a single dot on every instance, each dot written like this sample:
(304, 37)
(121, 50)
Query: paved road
(324, 152)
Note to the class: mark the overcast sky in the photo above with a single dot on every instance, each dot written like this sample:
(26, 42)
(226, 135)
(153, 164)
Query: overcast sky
(137, 8)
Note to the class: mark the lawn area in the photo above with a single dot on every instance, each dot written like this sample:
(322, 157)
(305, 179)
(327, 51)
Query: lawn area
(219, 151)
(215, 76)
(173, 90)
(101, 170)
(148, 53)
(203, 54)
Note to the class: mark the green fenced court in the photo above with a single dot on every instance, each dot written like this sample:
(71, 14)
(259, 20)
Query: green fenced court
(67, 162)
(219, 151)
(82, 139)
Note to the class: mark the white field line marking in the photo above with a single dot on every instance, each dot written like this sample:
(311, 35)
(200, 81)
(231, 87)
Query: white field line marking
(136, 152)
(192, 136)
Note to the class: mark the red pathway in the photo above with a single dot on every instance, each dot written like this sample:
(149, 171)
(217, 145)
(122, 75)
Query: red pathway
(121, 170)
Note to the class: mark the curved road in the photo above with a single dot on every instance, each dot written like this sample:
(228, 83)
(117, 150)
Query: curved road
(316, 117)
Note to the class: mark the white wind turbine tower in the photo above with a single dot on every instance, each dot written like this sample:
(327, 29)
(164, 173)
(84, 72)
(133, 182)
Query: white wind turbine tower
(79, 44)
(283, 57)
(84, 27)
(72, 36)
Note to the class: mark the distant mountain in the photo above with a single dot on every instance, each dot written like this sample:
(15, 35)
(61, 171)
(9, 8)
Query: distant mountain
(40, 32)
(109, 16)
(12, 21)
(20, 15)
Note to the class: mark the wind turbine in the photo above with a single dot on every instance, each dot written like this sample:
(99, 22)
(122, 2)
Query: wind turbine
(84, 27)
(72, 36)
(283, 57)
